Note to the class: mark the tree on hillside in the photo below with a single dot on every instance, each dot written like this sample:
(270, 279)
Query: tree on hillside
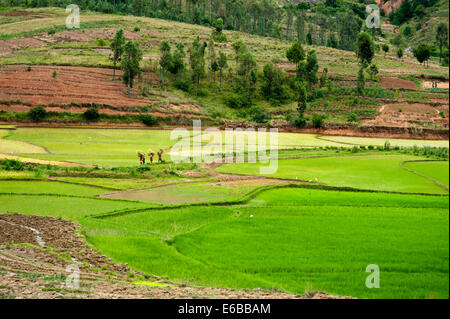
(295, 53)
(441, 38)
(179, 54)
(132, 56)
(365, 49)
(166, 59)
(349, 25)
(239, 48)
(117, 44)
(273, 87)
(312, 66)
(332, 41)
(222, 63)
(302, 103)
(197, 62)
(422, 53)
(400, 53)
(300, 25)
(385, 49)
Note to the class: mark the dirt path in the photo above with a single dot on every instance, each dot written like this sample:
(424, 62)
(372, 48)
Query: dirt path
(34, 272)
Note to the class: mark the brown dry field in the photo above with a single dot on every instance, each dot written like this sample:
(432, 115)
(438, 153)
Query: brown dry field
(71, 85)
(29, 270)
(407, 115)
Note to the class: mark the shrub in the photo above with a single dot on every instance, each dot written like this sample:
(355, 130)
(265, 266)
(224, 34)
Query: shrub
(353, 117)
(54, 74)
(387, 145)
(234, 100)
(101, 42)
(91, 114)
(148, 119)
(202, 92)
(38, 113)
(137, 29)
(317, 120)
(260, 114)
(12, 165)
(29, 69)
(441, 114)
(300, 122)
(182, 84)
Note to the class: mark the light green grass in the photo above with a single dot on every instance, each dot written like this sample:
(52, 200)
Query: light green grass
(18, 175)
(376, 172)
(380, 141)
(105, 147)
(48, 187)
(70, 208)
(436, 170)
(16, 147)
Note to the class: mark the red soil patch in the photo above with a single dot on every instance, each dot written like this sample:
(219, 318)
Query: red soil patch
(385, 82)
(440, 84)
(9, 46)
(395, 83)
(16, 13)
(404, 115)
(71, 85)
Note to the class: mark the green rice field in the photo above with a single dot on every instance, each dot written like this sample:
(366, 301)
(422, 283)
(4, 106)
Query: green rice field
(315, 224)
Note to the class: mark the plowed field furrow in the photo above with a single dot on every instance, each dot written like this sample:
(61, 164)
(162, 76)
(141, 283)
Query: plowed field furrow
(71, 85)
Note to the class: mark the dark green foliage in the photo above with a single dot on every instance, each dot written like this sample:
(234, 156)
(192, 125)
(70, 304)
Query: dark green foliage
(148, 119)
(197, 62)
(38, 113)
(273, 87)
(166, 59)
(385, 49)
(441, 38)
(317, 120)
(400, 53)
(302, 104)
(422, 52)
(91, 114)
(365, 50)
(130, 64)
(332, 41)
(300, 122)
(117, 46)
(259, 114)
(295, 53)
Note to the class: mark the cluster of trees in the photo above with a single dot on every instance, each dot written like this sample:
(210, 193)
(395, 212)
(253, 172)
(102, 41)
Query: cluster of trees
(410, 9)
(334, 23)
(424, 51)
(130, 56)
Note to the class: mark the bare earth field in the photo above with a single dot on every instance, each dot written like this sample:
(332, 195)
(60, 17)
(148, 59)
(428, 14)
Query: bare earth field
(71, 85)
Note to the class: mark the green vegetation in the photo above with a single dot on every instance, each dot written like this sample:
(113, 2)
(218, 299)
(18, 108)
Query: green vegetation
(378, 172)
(188, 245)
(248, 233)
